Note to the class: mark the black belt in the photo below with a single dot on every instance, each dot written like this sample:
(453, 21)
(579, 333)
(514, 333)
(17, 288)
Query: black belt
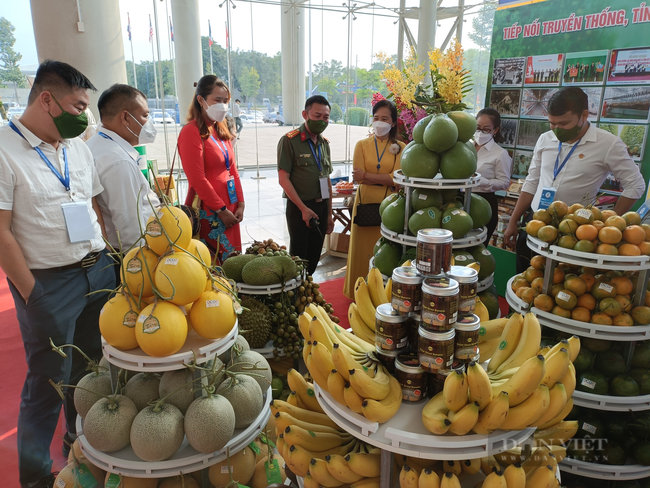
(88, 262)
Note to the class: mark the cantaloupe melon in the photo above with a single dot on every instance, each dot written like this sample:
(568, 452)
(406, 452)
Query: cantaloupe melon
(242, 465)
(179, 482)
(213, 315)
(240, 343)
(138, 269)
(259, 479)
(95, 385)
(117, 321)
(161, 329)
(246, 360)
(245, 395)
(168, 224)
(128, 482)
(108, 423)
(143, 389)
(172, 382)
(209, 423)
(157, 432)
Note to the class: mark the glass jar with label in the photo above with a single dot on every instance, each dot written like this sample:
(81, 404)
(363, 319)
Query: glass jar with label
(391, 330)
(387, 358)
(413, 323)
(412, 378)
(433, 253)
(466, 340)
(467, 279)
(436, 350)
(407, 290)
(439, 303)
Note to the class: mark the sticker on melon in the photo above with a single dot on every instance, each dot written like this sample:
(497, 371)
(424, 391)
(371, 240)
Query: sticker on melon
(140, 264)
(170, 226)
(117, 321)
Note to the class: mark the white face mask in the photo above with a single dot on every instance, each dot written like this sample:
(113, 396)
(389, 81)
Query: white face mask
(481, 139)
(381, 128)
(217, 111)
(147, 131)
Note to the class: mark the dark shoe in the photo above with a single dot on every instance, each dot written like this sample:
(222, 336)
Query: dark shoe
(46, 482)
(68, 440)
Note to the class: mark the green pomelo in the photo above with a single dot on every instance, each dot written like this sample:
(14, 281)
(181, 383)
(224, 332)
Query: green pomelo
(418, 130)
(387, 201)
(458, 163)
(440, 134)
(463, 257)
(393, 215)
(425, 198)
(457, 221)
(472, 147)
(409, 255)
(641, 452)
(380, 242)
(427, 218)
(485, 259)
(448, 195)
(480, 210)
(584, 360)
(465, 123)
(598, 345)
(419, 162)
(490, 299)
(454, 204)
(642, 377)
(592, 382)
(614, 454)
(623, 385)
(590, 426)
(609, 363)
(615, 428)
(387, 258)
(641, 357)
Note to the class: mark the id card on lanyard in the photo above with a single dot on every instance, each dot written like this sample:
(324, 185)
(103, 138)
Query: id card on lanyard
(323, 181)
(549, 192)
(230, 183)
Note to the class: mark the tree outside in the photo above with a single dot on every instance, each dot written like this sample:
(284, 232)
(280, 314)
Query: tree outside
(249, 82)
(336, 113)
(10, 59)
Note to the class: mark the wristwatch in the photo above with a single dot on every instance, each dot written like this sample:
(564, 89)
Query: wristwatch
(221, 209)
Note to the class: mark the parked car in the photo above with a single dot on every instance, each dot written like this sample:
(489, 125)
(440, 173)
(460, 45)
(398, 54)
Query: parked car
(159, 119)
(15, 111)
(253, 118)
(270, 118)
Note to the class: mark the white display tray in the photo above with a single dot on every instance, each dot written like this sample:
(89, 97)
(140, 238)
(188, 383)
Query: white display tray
(604, 471)
(405, 434)
(195, 348)
(266, 351)
(514, 301)
(592, 260)
(438, 182)
(485, 283)
(185, 460)
(473, 238)
(612, 403)
(245, 289)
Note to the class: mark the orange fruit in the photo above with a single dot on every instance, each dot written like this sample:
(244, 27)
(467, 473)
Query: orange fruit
(538, 262)
(586, 301)
(562, 312)
(632, 218)
(641, 315)
(574, 207)
(610, 234)
(548, 233)
(575, 285)
(543, 215)
(583, 216)
(544, 302)
(587, 232)
(646, 300)
(623, 285)
(644, 247)
(581, 314)
(568, 226)
(533, 227)
(626, 304)
(598, 215)
(566, 299)
(528, 295)
(614, 274)
(629, 250)
(558, 209)
(587, 270)
(598, 224)
(602, 290)
(519, 282)
(521, 289)
(607, 214)
(557, 288)
(567, 241)
(618, 222)
(634, 234)
(607, 249)
(537, 284)
(589, 279)
(601, 319)
(531, 273)
(623, 320)
(585, 246)
(558, 276)
(646, 228)
(610, 306)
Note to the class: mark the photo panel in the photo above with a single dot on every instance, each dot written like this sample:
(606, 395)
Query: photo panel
(585, 68)
(529, 132)
(534, 102)
(626, 104)
(545, 70)
(629, 66)
(509, 129)
(521, 163)
(633, 136)
(506, 102)
(595, 97)
(508, 71)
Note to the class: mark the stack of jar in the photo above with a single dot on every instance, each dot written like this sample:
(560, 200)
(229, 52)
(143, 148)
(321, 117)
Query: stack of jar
(429, 329)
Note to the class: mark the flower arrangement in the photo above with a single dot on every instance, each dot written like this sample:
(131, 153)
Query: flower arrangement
(415, 99)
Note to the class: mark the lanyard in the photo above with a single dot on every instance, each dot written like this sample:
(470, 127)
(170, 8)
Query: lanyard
(382, 153)
(318, 159)
(65, 180)
(557, 170)
(106, 136)
(224, 151)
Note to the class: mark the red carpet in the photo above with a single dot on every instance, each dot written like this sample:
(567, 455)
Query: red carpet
(332, 291)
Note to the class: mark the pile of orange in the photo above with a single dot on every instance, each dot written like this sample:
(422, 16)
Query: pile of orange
(591, 230)
(583, 294)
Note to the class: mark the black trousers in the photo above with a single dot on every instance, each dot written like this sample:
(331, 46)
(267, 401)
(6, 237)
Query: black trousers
(307, 242)
(524, 254)
(492, 224)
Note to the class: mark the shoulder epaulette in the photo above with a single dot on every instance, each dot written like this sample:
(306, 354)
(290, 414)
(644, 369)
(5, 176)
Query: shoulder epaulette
(326, 139)
(293, 133)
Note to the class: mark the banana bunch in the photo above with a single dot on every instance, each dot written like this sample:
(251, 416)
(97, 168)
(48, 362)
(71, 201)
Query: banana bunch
(368, 295)
(345, 366)
(489, 333)
(423, 473)
(537, 471)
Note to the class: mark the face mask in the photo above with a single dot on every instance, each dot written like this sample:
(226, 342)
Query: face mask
(481, 139)
(68, 125)
(565, 135)
(147, 131)
(316, 126)
(381, 128)
(217, 111)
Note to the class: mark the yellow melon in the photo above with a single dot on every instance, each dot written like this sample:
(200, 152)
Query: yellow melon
(168, 226)
(161, 329)
(179, 278)
(201, 251)
(212, 315)
(139, 265)
(128, 482)
(117, 321)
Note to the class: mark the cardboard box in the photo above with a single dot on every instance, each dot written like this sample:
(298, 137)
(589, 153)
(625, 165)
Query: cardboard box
(161, 187)
(339, 242)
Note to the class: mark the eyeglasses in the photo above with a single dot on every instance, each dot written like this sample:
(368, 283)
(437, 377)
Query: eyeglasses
(484, 131)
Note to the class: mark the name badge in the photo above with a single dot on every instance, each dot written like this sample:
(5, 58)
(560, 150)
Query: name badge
(232, 193)
(324, 188)
(77, 221)
(548, 196)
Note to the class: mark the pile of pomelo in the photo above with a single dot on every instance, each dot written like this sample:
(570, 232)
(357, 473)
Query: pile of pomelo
(591, 230)
(583, 294)
(168, 288)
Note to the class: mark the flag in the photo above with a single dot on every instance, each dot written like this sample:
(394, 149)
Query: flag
(227, 37)
(128, 25)
(209, 34)
(150, 30)
(171, 29)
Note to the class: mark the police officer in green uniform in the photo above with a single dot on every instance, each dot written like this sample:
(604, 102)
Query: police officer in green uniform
(304, 166)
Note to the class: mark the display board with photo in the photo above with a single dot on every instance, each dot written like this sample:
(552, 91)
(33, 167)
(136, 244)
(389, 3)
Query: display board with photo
(594, 97)
(521, 163)
(534, 102)
(585, 68)
(626, 104)
(634, 137)
(529, 132)
(629, 66)
(506, 102)
(509, 132)
(508, 71)
(544, 70)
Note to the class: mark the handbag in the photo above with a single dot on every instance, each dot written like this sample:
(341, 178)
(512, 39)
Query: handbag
(368, 213)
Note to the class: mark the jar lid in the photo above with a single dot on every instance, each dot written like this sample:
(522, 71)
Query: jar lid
(436, 236)
(387, 352)
(463, 274)
(440, 286)
(437, 336)
(409, 363)
(468, 323)
(407, 275)
(386, 313)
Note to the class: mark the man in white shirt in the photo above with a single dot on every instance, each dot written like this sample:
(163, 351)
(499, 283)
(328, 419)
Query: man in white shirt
(125, 123)
(52, 253)
(573, 159)
(236, 113)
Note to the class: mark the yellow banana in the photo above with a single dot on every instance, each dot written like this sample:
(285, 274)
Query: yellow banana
(323, 359)
(515, 476)
(455, 391)
(356, 345)
(284, 420)
(465, 419)
(314, 441)
(304, 390)
(428, 479)
(359, 327)
(449, 480)
(319, 332)
(434, 415)
(559, 452)
(279, 443)
(302, 414)
(306, 350)
(574, 347)
(528, 412)
(471, 466)
(531, 336)
(352, 399)
(388, 290)
(494, 415)
(318, 470)
(297, 459)
(540, 456)
(511, 456)
(376, 388)
(544, 350)
(524, 382)
(344, 362)
(482, 312)
(490, 329)
(304, 321)
(569, 380)
(562, 344)
(567, 409)
(383, 410)
(376, 287)
(315, 373)
(488, 464)
(479, 385)
(556, 367)
(557, 401)
(452, 467)
(340, 469)
(367, 483)
(309, 482)
(364, 463)
(495, 480)
(488, 348)
(364, 302)
(335, 385)
(294, 399)
(557, 434)
(543, 477)
(408, 477)
(509, 342)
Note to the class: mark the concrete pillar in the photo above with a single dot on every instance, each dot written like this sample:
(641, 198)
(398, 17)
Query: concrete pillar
(187, 47)
(461, 20)
(426, 29)
(400, 34)
(89, 39)
(293, 63)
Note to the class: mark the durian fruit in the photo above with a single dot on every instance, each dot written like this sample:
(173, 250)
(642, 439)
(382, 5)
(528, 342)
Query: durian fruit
(255, 323)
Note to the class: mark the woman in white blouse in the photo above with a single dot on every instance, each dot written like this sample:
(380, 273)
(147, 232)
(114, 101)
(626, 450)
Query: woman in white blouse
(494, 162)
